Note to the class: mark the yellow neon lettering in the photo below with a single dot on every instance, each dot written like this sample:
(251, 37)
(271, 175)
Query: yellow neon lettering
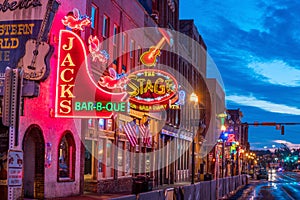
(65, 106)
(62, 75)
(66, 89)
(68, 59)
(65, 46)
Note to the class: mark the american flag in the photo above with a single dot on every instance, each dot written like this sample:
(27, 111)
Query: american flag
(130, 132)
(145, 133)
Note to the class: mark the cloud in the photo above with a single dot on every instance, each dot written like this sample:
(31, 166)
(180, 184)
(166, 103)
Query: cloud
(276, 72)
(289, 144)
(264, 105)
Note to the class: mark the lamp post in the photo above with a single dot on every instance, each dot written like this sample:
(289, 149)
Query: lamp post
(193, 98)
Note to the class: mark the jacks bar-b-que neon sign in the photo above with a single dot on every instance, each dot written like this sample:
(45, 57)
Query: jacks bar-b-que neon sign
(77, 95)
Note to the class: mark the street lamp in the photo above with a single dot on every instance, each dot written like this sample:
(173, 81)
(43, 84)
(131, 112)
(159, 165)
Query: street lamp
(193, 98)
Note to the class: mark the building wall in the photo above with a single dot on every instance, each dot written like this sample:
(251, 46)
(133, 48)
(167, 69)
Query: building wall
(217, 107)
(39, 111)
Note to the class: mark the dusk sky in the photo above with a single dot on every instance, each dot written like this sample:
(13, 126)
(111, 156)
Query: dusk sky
(256, 47)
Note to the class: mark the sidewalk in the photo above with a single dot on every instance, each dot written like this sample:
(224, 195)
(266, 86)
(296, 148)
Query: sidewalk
(244, 192)
(93, 196)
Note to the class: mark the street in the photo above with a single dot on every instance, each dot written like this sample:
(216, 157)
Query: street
(280, 185)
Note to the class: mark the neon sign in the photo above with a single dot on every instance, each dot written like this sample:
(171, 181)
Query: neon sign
(151, 90)
(94, 48)
(149, 58)
(77, 95)
(231, 138)
(77, 22)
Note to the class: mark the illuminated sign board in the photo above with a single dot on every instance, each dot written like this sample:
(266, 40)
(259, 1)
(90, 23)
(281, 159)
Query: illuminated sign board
(20, 21)
(151, 90)
(77, 95)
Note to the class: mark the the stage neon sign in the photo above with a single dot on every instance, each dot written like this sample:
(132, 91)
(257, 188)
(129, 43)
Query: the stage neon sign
(151, 90)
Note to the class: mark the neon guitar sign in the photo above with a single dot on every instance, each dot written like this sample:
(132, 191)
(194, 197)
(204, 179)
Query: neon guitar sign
(148, 58)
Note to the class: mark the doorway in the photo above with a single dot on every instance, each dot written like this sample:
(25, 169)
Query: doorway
(34, 152)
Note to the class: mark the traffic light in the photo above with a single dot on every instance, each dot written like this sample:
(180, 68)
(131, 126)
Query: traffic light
(282, 130)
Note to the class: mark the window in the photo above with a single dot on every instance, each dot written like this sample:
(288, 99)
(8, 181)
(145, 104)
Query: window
(109, 124)
(109, 158)
(116, 31)
(139, 52)
(88, 157)
(105, 32)
(105, 26)
(124, 42)
(128, 159)
(124, 49)
(101, 124)
(66, 158)
(116, 46)
(100, 158)
(94, 17)
(121, 154)
(132, 54)
(90, 123)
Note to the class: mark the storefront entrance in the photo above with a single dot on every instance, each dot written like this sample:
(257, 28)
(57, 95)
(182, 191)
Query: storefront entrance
(34, 152)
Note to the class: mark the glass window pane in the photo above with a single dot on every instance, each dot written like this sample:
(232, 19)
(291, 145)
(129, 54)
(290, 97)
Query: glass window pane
(109, 156)
(105, 27)
(109, 125)
(128, 159)
(100, 155)
(101, 124)
(90, 123)
(109, 153)
(93, 15)
(64, 158)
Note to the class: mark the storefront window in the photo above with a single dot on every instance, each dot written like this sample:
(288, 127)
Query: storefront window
(100, 155)
(109, 125)
(180, 155)
(101, 124)
(147, 164)
(121, 158)
(109, 157)
(90, 123)
(128, 159)
(66, 158)
(88, 157)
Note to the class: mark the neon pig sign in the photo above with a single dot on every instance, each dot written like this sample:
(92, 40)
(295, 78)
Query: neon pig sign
(151, 90)
(77, 95)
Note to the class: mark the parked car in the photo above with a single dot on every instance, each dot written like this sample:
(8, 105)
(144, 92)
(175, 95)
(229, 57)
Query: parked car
(262, 174)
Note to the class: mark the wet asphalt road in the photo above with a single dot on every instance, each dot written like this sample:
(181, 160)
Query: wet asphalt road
(279, 186)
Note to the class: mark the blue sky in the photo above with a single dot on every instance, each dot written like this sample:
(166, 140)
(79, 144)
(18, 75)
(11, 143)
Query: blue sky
(256, 47)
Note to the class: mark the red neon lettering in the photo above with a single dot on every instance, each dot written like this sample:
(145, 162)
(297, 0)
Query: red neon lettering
(231, 138)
